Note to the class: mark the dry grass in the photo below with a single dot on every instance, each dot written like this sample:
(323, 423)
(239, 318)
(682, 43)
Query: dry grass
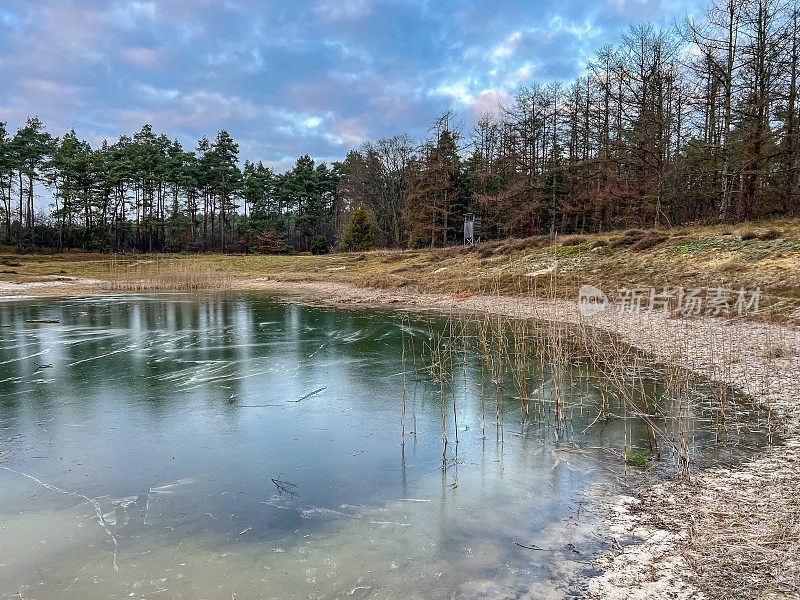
(765, 255)
(743, 528)
(651, 240)
(167, 275)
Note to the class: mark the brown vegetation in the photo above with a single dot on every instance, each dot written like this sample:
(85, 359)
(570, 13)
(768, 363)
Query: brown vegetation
(704, 257)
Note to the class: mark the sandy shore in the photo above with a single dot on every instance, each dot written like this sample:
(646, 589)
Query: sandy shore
(724, 533)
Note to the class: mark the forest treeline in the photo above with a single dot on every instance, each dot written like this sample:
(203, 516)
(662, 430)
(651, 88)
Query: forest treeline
(698, 122)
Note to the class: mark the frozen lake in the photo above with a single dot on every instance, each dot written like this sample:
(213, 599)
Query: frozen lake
(140, 436)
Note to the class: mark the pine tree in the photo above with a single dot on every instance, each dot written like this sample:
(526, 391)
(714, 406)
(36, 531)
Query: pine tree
(6, 179)
(32, 147)
(359, 234)
(227, 178)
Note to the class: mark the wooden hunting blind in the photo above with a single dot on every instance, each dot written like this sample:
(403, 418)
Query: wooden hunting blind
(472, 228)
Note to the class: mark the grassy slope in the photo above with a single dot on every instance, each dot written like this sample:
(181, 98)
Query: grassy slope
(763, 254)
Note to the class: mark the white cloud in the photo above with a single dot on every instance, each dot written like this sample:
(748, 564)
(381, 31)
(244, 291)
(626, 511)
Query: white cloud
(146, 58)
(459, 91)
(351, 131)
(130, 13)
(149, 92)
(506, 48)
(45, 86)
(343, 10)
(466, 95)
(489, 101)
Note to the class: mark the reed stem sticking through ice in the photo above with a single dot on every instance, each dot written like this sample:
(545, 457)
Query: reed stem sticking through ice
(555, 371)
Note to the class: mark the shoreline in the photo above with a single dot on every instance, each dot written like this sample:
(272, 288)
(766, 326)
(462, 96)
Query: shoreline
(725, 532)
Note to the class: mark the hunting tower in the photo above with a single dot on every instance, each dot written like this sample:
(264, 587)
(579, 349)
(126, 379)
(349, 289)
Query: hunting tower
(472, 229)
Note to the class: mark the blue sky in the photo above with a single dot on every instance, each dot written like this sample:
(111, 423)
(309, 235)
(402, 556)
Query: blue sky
(288, 78)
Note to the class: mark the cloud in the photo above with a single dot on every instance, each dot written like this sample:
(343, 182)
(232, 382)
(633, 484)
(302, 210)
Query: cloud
(340, 10)
(146, 58)
(504, 50)
(621, 5)
(313, 76)
(351, 131)
(154, 94)
(44, 86)
(130, 14)
(489, 101)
